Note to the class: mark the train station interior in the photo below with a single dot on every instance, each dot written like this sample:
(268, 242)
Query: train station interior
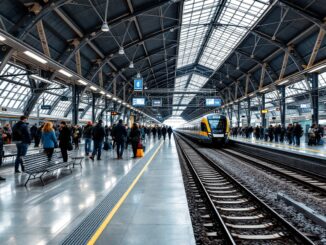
(162, 122)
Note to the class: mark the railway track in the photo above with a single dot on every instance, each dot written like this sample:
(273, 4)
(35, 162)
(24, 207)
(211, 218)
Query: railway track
(300, 178)
(242, 216)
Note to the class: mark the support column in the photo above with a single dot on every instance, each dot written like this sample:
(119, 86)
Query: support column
(313, 80)
(248, 112)
(75, 104)
(263, 115)
(93, 107)
(282, 105)
(106, 111)
(239, 107)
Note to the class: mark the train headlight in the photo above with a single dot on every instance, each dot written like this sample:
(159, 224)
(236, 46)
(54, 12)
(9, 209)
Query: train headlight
(210, 135)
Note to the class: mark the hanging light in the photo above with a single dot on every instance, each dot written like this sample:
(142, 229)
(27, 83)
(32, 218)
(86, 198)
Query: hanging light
(131, 65)
(138, 75)
(121, 51)
(105, 27)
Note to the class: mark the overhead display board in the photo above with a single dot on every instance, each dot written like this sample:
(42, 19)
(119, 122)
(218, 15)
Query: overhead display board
(139, 101)
(264, 111)
(156, 102)
(138, 84)
(213, 102)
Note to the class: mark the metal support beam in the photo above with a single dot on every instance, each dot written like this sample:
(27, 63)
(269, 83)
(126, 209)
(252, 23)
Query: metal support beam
(263, 115)
(318, 42)
(94, 97)
(313, 80)
(284, 65)
(282, 105)
(248, 112)
(239, 118)
(43, 39)
(247, 84)
(78, 63)
(75, 104)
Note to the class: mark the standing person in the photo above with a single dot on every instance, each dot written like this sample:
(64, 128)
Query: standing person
(38, 136)
(49, 139)
(1, 154)
(159, 132)
(22, 139)
(257, 132)
(76, 134)
(289, 133)
(87, 134)
(164, 132)
(154, 132)
(120, 134)
(98, 134)
(277, 132)
(134, 138)
(170, 132)
(128, 136)
(33, 131)
(283, 132)
(65, 140)
(8, 132)
(297, 133)
(271, 133)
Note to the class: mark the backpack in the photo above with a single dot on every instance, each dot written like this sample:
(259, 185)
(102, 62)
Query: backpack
(17, 134)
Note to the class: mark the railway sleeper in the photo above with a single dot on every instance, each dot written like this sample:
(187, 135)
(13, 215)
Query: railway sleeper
(259, 237)
(259, 216)
(259, 226)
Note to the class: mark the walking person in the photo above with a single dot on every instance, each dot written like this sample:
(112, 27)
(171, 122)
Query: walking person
(135, 138)
(87, 134)
(49, 139)
(76, 135)
(120, 134)
(159, 132)
(170, 132)
(154, 130)
(98, 134)
(22, 139)
(64, 140)
(164, 132)
(297, 133)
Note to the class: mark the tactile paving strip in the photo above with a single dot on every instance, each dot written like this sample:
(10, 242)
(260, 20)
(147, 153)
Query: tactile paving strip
(84, 231)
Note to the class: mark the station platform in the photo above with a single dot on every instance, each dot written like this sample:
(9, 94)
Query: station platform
(156, 207)
(303, 149)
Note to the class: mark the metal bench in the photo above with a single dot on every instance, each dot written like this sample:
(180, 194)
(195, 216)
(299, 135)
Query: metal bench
(38, 165)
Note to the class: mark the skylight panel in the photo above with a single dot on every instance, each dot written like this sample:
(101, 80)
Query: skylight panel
(224, 39)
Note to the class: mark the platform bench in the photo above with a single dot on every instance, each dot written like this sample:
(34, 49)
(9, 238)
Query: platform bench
(38, 165)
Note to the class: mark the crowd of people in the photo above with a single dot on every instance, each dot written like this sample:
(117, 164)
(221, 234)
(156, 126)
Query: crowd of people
(291, 134)
(66, 137)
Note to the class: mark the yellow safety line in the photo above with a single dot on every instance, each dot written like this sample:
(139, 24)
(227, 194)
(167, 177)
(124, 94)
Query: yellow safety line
(109, 217)
(284, 146)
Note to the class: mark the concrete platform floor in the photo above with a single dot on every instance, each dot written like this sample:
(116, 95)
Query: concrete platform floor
(314, 151)
(36, 215)
(156, 210)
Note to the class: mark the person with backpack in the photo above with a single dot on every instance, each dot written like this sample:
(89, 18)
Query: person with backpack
(87, 134)
(135, 138)
(21, 137)
(98, 134)
(119, 133)
(49, 140)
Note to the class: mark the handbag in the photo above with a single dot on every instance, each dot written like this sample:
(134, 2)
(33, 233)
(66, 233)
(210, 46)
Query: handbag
(140, 153)
(69, 146)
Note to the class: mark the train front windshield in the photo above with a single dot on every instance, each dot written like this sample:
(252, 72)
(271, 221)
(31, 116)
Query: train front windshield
(217, 125)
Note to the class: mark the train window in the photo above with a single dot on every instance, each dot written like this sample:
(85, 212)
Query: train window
(217, 125)
(203, 127)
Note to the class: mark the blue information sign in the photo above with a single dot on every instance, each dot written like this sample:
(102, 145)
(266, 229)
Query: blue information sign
(138, 84)
(213, 102)
(138, 102)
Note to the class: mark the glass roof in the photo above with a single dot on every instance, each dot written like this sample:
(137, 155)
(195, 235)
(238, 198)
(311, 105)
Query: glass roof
(14, 95)
(196, 15)
(236, 18)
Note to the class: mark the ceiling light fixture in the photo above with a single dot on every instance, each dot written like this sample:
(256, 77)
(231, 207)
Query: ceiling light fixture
(108, 95)
(131, 65)
(93, 88)
(2, 38)
(35, 57)
(138, 75)
(264, 90)
(115, 98)
(102, 92)
(36, 77)
(63, 72)
(82, 82)
(121, 51)
(105, 27)
(283, 82)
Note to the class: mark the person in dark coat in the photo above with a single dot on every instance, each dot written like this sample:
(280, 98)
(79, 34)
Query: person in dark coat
(87, 134)
(64, 140)
(297, 133)
(271, 133)
(159, 132)
(170, 132)
(38, 136)
(282, 135)
(98, 134)
(119, 134)
(164, 132)
(154, 132)
(289, 133)
(134, 138)
(33, 131)
(22, 139)
(277, 132)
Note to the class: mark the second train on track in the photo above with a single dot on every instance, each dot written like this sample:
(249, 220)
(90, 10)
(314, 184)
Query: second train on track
(212, 129)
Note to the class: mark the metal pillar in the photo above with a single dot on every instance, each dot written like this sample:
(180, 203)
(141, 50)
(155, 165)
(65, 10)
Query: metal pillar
(93, 107)
(239, 107)
(75, 104)
(313, 80)
(248, 112)
(282, 105)
(106, 112)
(263, 115)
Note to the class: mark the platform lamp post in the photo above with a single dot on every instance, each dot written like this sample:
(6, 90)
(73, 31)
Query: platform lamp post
(313, 80)
(282, 105)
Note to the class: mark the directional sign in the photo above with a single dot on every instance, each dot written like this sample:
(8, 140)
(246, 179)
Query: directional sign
(138, 101)
(138, 84)
(46, 107)
(213, 102)
(264, 111)
(156, 102)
